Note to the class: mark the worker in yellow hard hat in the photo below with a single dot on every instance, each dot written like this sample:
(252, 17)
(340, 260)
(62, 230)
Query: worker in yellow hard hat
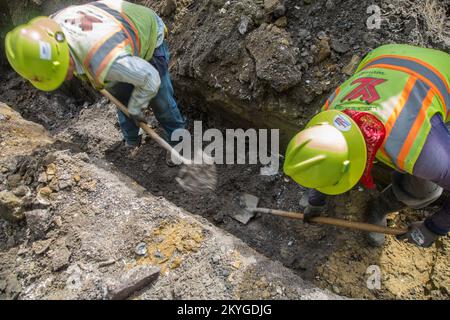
(111, 43)
(394, 108)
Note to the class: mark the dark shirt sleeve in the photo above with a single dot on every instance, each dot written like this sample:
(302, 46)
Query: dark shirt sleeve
(433, 164)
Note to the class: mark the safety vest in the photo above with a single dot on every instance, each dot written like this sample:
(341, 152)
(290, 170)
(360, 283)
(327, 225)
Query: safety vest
(99, 32)
(403, 86)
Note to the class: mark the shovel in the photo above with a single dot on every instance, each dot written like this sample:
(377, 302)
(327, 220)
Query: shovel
(193, 178)
(250, 203)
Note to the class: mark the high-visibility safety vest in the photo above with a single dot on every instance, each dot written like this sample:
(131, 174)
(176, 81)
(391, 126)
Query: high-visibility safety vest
(403, 86)
(99, 32)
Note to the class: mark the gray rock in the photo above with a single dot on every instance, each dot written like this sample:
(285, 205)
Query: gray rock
(21, 191)
(169, 7)
(60, 258)
(14, 180)
(141, 249)
(39, 222)
(280, 11)
(11, 207)
(40, 247)
(271, 5)
(244, 24)
(134, 280)
(339, 46)
(330, 5)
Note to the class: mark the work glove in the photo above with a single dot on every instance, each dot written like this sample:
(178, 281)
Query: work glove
(419, 235)
(137, 116)
(311, 212)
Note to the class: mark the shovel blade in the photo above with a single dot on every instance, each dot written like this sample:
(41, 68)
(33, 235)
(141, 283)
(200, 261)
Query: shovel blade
(247, 202)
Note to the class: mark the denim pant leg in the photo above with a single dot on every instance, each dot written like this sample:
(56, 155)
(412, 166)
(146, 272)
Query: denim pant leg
(130, 131)
(164, 106)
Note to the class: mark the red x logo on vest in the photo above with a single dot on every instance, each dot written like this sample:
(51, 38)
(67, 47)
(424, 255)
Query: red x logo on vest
(366, 90)
(85, 22)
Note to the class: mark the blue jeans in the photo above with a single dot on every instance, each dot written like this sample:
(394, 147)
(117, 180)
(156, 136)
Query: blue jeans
(163, 104)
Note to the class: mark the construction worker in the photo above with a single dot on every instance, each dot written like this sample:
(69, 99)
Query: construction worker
(114, 44)
(394, 108)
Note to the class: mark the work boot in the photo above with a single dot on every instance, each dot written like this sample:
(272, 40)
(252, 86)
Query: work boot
(377, 211)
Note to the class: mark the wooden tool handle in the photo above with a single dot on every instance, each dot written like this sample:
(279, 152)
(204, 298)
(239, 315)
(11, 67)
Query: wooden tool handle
(163, 143)
(335, 222)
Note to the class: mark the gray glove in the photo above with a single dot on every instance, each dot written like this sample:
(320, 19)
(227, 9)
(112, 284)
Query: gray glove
(419, 235)
(312, 211)
(137, 116)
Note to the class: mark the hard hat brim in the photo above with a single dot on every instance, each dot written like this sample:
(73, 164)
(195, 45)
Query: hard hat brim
(356, 146)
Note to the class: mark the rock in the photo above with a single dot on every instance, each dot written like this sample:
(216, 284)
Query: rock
(134, 280)
(46, 191)
(51, 169)
(330, 5)
(11, 207)
(271, 5)
(76, 178)
(339, 46)
(65, 184)
(281, 22)
(40, 247)
(14, 180)
(141, 249)
(13, 287)
(324, 50)
(244, 24)
(42, 178)
(275, 60)
(169, 7)
(60, 257)
(218, 3)
(21, 191)
(350, 68)
(38, 221)
(279, 11)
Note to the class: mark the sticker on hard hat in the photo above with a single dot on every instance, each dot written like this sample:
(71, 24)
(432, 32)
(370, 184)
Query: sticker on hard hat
(342, 123)
(45, 50)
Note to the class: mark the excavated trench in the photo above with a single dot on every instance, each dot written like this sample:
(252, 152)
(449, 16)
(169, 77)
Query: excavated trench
(329, 257)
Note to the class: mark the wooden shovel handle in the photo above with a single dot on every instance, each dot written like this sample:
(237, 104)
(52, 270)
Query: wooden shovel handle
(163, 143)
(335, 222)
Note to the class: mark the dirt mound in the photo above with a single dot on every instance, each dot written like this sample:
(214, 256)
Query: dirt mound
(82, 226)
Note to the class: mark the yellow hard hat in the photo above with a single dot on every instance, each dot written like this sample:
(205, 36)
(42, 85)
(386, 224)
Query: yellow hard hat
(39, 52)
(329, 155)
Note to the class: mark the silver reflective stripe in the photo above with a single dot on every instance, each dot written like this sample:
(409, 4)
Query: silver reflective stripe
(406, 119)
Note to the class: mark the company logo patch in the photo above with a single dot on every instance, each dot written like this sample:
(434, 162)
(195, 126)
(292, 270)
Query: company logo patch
(45, 50)
(342, 123)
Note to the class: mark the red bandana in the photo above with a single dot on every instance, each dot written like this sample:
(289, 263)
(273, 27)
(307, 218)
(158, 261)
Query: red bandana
(374, 132)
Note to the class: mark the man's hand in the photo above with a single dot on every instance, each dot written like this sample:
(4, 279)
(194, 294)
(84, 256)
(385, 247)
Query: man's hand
(137, 116)
(419, 235)
(311, 212)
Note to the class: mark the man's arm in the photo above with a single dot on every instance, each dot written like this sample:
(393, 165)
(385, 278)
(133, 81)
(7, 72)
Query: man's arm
(143, 76)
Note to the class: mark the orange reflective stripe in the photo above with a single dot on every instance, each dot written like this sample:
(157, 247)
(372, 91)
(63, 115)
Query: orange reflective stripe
(415, 129)
(418, 75)
(398, 109)
(110, 55)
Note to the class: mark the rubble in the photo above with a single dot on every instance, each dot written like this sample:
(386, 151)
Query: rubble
(134, 280)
